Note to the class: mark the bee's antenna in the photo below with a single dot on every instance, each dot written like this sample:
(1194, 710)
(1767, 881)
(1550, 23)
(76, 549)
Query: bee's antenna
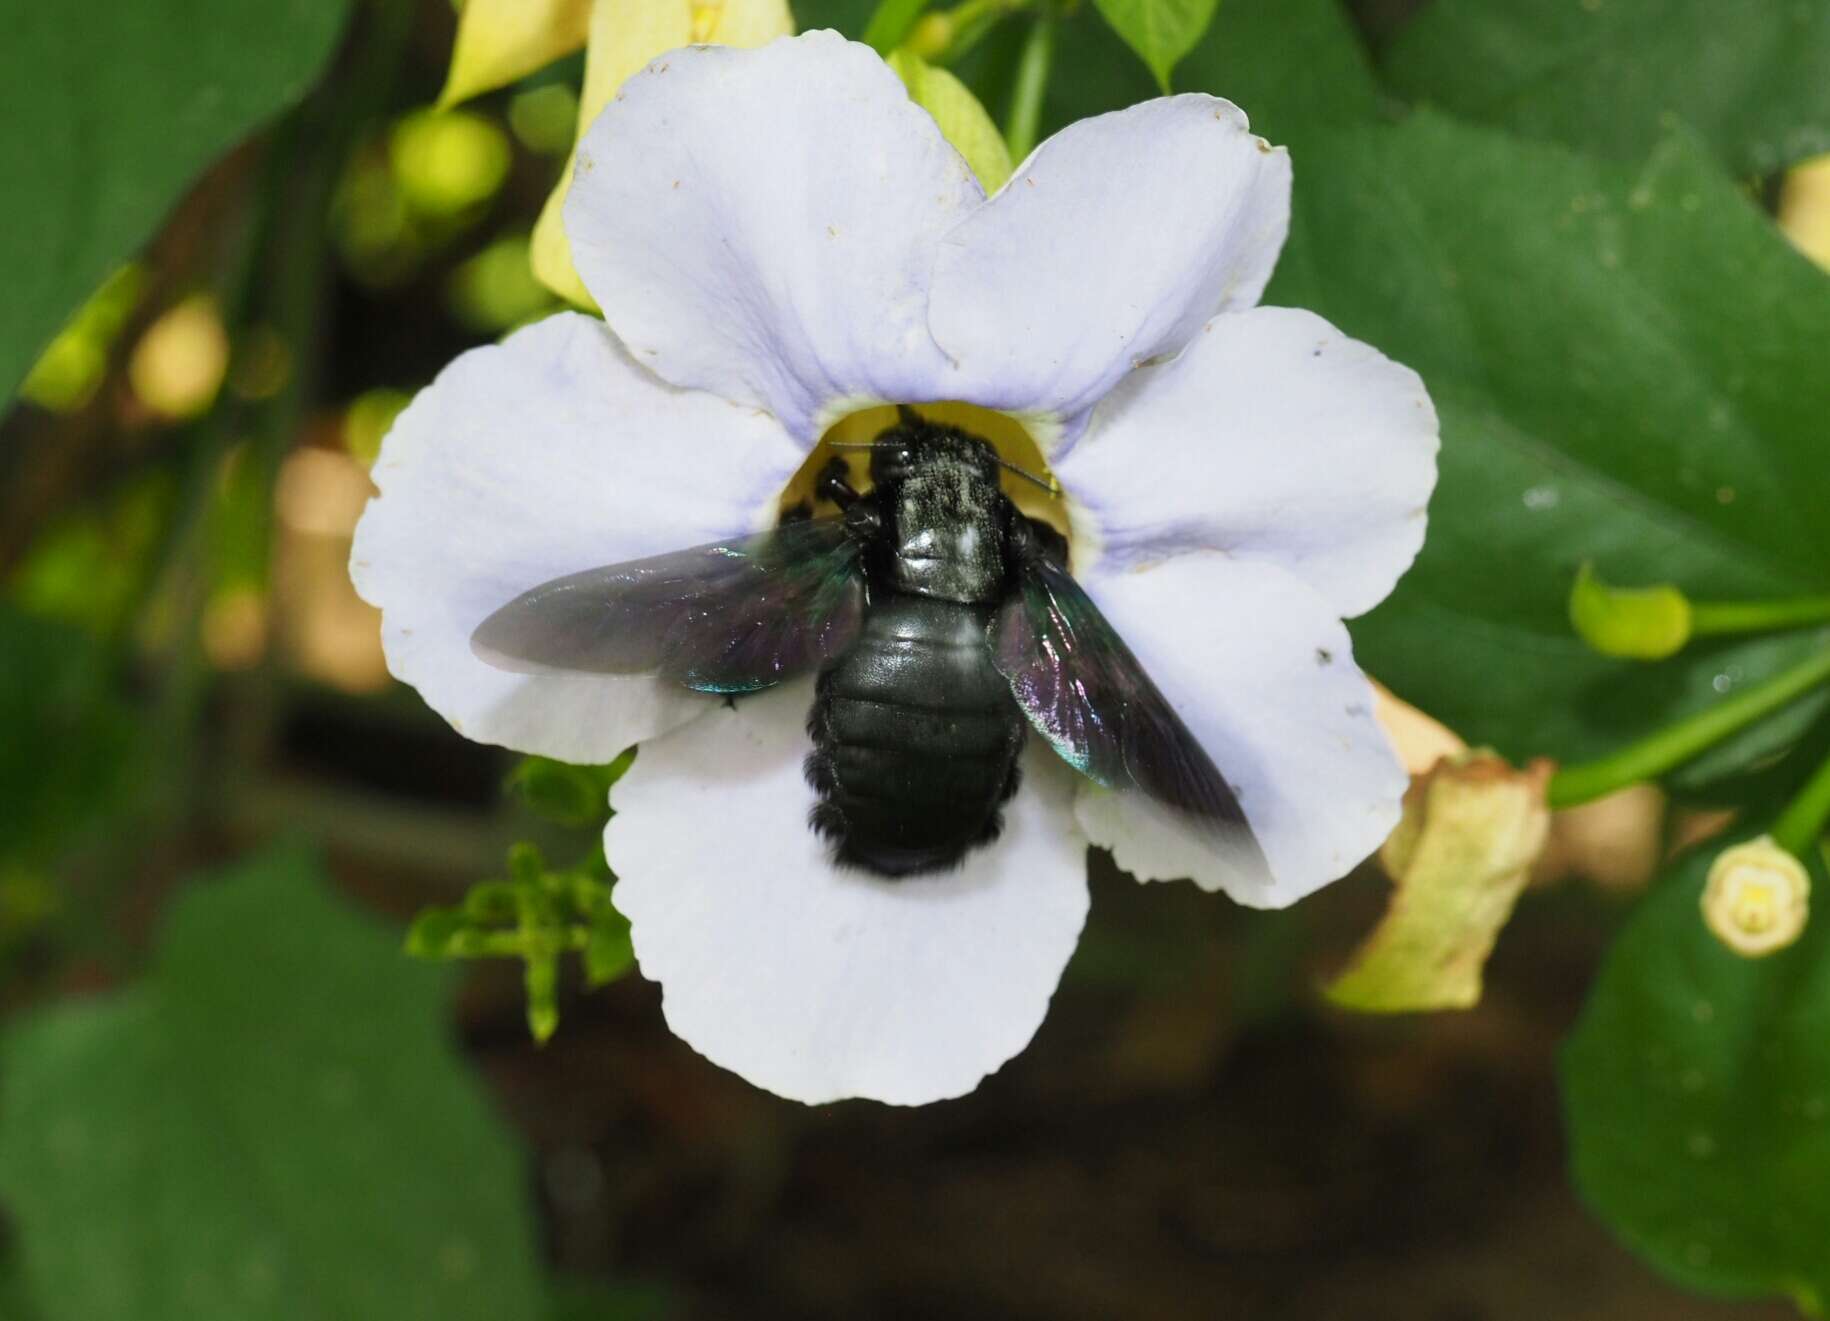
(1048, 484)
(858, 445)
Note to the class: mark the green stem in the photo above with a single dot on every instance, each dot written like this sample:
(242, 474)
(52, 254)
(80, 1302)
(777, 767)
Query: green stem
(1805, 817)
(1677, 744)
(1025, 122)
(891, 23)
(1712, 618)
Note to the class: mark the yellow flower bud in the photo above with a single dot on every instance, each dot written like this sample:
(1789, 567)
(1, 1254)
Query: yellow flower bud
(1757, 898)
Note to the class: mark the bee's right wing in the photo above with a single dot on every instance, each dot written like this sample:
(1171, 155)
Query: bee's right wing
(729, 617)
(1086, 693)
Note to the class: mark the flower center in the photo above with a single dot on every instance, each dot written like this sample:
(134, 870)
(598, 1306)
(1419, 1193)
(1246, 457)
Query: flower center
(1039, 499)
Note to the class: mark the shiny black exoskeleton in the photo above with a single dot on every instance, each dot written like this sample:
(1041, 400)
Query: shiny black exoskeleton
(942, 624)
(915, 732)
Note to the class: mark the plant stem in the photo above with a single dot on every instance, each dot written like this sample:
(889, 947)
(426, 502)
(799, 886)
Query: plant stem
(1025, 122)
(1714, 618)
(1677, 744)
(1805, 817)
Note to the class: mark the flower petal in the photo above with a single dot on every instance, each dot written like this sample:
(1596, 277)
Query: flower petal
(762, 224)
(820, 984)
(1110, 245)
(499, 41)
(1262, 672)
(625, 35)
(1272, 437)
(545, 455)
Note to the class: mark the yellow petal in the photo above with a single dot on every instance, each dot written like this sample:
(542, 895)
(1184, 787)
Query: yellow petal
(1459, 857)
(624, 36)
(499, 41)
(1804, 209)
(961, 118)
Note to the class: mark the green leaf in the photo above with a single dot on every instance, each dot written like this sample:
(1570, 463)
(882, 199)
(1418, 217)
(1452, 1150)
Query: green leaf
(565, 794)
(1696, 1090)
(1612, 76)
(609, 948)
(1295, 67)
(109, 116)
(1160, 31)
(272, 1126)
(1628, 370)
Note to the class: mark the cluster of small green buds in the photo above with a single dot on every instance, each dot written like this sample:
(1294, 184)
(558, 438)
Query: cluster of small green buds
(540, 913)
(536, 915)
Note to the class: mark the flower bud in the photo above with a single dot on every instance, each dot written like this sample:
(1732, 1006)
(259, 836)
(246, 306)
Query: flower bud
(1636, 623)
(1757, 898)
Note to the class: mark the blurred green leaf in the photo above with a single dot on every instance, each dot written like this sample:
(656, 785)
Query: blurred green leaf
(1162, 32)
(1628, 367)
(609, 948)
(15, 1303)
(567, 795)
(109, 115)
(1697, 1095)
(67, 736)
(273, 1125)
(1613, 76)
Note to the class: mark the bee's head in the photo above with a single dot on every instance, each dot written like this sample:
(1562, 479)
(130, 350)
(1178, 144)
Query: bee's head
(915, 443)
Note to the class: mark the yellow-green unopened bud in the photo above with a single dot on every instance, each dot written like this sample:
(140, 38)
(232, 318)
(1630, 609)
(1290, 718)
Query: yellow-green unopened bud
(1757, 898)
(1637, 623)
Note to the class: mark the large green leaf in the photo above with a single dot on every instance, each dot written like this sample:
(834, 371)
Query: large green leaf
(1753, 76)
(1628, 367)
(272, 1126)
(1697, 1094)
(110, 110)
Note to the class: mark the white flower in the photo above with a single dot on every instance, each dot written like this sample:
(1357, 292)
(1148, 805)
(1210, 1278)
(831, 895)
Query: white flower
(779, 237)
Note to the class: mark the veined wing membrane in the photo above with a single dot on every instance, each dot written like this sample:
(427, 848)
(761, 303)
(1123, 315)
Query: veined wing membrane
(727, 617)
(1087, 694)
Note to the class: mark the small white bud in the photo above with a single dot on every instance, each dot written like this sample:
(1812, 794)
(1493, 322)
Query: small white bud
(1757, 898)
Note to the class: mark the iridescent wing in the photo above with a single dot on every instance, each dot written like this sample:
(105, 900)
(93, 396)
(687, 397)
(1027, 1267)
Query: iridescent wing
(728, 617)
(1086, 693)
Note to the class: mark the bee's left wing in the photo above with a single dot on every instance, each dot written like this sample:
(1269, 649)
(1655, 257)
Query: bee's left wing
(1087, 694)
(728, 617)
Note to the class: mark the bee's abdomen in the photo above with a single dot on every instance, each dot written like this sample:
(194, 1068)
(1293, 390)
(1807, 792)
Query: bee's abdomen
(915, 738)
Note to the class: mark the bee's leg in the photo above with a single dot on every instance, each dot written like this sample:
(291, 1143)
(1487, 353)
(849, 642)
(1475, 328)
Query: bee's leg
(1046, 540)
(832, 484)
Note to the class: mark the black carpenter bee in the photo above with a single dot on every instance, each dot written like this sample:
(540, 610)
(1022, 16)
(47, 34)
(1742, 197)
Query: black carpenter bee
(942, 623)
